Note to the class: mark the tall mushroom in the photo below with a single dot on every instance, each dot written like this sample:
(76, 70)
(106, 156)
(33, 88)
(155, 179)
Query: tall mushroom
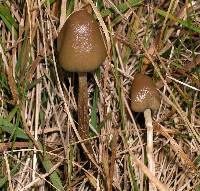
(81, 49)
(144, 98)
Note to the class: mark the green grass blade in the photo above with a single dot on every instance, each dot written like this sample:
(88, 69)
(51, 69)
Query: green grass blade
(70, 7)
(197, 188)
(132, 175)
(123, 7)
(4, 179)
(8, 127)
(95, 127)
(8, 20)
(94, 111)
(49, 2)
(12, 113)
(55, 179)
(185, 23)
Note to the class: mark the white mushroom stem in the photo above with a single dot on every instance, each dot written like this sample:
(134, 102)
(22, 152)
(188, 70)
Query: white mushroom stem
(151, 162)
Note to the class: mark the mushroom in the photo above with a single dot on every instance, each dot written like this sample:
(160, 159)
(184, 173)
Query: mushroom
(81, 49)
(144, 98)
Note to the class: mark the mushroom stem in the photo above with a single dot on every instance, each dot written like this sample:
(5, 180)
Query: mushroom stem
(151, 162)
(83, 119)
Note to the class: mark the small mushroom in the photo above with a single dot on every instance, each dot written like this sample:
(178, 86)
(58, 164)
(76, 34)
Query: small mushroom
(144, 94)
(81, 49)
(144, 98)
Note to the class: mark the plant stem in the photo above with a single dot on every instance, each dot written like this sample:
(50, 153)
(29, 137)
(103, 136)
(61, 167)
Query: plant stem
(151, 162)
(83, 119)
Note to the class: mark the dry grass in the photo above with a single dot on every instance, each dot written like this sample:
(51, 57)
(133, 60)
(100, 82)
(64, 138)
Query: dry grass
(39, 142)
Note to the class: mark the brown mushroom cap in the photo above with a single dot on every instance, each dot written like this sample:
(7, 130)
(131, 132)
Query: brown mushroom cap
(80, 44)
(144, 94)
